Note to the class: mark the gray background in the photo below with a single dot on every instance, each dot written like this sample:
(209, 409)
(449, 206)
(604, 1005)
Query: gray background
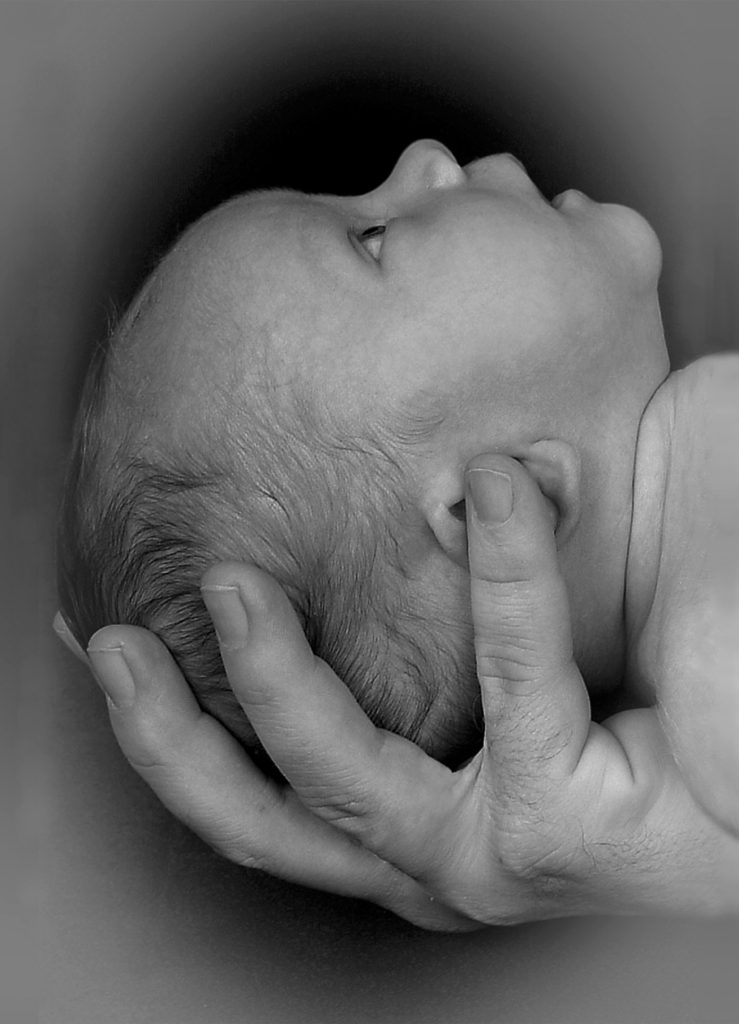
(120, 122)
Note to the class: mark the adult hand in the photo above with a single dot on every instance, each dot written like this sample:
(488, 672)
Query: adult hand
(555, 815)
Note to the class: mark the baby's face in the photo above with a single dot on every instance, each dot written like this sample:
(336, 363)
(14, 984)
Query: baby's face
(450, 284)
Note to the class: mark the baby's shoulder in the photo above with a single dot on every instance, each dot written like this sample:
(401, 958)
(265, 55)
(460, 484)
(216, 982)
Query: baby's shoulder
(699, 564)
(700, 404)
(706, 389)
(693, 633)
(696, 412)
(706, 430)
(693, 420)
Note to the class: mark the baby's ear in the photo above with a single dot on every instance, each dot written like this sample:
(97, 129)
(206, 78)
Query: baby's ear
(555, 465)
(446, 518)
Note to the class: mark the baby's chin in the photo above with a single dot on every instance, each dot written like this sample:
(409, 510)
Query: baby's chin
(639, 235)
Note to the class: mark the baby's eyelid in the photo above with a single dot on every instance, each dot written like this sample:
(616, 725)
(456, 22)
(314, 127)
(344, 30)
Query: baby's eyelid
(373, 233)
(373, 229)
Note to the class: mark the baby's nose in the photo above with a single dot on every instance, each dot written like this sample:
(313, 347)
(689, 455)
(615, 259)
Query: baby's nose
(423, 166)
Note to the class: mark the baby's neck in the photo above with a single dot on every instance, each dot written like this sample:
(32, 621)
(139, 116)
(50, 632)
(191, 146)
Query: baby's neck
(654, 452)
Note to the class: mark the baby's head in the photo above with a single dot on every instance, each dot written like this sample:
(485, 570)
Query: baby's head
(301, 383)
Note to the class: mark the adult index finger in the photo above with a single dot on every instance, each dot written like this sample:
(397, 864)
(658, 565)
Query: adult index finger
(537, 712)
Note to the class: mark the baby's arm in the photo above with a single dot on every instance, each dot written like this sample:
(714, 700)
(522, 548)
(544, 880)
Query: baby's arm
(695, 621)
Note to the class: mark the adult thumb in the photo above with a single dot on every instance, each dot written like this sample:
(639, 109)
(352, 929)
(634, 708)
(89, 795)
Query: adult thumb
(537, 711)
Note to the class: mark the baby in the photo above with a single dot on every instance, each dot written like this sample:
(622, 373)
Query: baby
(301, 383)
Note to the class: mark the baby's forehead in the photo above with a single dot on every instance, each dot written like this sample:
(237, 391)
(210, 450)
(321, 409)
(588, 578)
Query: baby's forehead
(219, 262)
(259, 245)
(267, 291)
(189, 309)
(284, 259)
(300, 287)
(249, 275)
(259, 225)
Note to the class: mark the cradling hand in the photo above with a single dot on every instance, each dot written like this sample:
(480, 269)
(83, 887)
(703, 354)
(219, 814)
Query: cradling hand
(554, 816)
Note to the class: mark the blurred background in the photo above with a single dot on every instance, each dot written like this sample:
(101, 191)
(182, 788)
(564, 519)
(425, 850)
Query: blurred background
(120, 123)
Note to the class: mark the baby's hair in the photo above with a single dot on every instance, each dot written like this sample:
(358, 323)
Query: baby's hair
(145, 512)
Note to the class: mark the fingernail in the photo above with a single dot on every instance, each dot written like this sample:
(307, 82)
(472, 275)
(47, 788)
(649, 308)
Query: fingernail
(65, 634)
(113, 675)
(492, 495)
(228, 613)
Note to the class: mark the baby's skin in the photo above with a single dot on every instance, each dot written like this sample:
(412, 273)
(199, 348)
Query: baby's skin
(682, 589)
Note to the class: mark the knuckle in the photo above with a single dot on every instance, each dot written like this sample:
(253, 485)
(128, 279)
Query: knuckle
(252, 861)
(357, 815)
(540, 851)
(514, 597)
(232, 647)
(506, 657)
(351, 814)
(239, 850)
(148, 748)
(147, 764)
(507, 634)
(528, 855)
(155, 741)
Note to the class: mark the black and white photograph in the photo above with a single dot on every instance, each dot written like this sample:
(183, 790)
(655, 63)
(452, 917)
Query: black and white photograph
(370, 464)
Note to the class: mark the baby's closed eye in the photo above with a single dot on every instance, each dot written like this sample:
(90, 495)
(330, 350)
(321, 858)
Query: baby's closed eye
(371, 239)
